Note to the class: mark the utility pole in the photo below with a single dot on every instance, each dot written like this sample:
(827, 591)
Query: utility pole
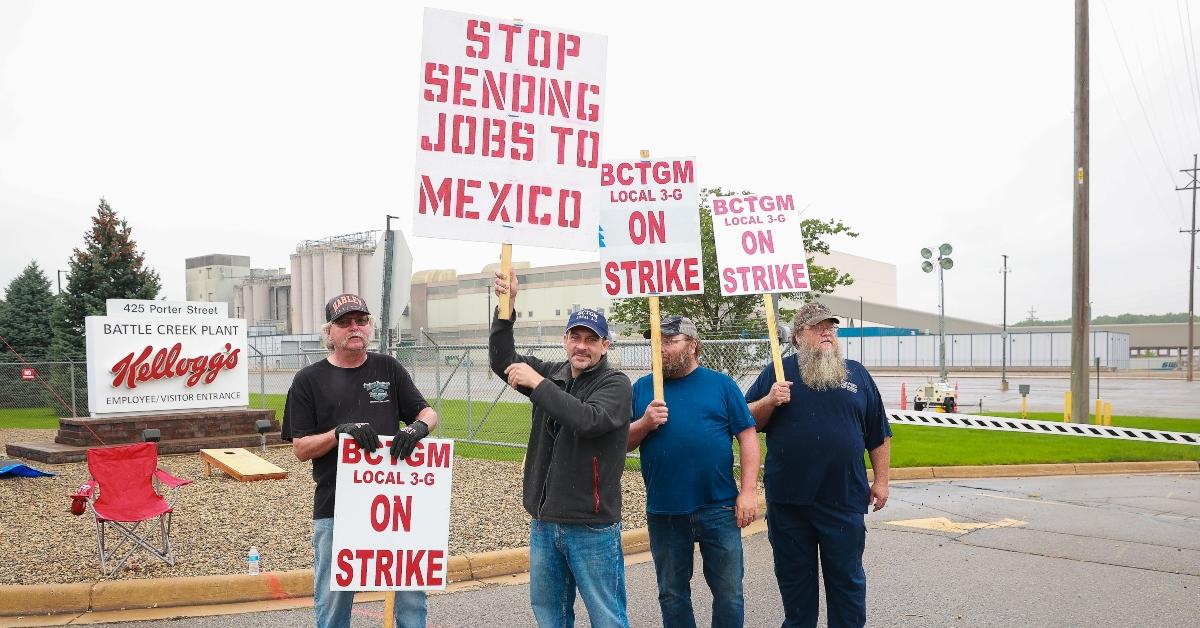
(1080, 229)
(385, 309)
(1004, 327)
(1191, 270)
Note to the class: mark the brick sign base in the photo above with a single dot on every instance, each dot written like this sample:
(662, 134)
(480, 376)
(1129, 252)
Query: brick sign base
(181, 432)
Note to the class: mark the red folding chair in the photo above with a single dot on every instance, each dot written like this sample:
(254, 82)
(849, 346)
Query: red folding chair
(122, 496)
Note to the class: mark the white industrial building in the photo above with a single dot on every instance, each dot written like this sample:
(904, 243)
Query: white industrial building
(323, 269)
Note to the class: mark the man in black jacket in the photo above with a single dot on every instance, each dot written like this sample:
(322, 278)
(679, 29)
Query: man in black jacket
(573, 467)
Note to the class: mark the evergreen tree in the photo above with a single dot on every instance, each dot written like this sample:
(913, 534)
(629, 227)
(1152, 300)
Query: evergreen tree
(25, 315)
(108, 266)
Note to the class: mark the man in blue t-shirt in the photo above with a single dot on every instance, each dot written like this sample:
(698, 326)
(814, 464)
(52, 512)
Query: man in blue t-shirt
(687, 463)
(818, 423)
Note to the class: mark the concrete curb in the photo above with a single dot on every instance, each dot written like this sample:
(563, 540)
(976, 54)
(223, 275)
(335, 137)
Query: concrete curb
(33, 603)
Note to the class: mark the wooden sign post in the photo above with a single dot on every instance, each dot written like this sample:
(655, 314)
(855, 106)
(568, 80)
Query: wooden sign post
(506, 304)
(773, 333)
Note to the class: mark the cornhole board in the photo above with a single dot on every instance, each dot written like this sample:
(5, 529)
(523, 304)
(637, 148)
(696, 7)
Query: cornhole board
(240, 465)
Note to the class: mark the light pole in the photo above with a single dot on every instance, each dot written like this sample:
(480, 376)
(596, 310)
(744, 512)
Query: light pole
(60, 274)
(1004, 326)
(944, 263)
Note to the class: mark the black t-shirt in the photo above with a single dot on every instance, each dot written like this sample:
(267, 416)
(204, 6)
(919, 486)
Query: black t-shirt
(323, 396)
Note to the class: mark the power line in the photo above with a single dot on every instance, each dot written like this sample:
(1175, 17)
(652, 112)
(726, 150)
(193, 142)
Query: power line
(1189, 61)
(1138, 94)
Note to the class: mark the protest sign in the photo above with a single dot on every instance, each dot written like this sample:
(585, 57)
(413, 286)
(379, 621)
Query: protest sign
(509, 131)
(391, 521)
(760, 248)
(650, 228)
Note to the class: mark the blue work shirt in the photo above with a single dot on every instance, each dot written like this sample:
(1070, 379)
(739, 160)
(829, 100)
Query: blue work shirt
(815, 442)
(687, 462)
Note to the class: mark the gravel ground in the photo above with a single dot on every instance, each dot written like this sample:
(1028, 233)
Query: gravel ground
(218, 519)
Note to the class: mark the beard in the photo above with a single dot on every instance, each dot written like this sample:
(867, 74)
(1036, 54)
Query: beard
(821, 370)
(677, 365)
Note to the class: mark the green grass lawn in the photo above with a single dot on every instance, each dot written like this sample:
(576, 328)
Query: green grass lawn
(912, 446)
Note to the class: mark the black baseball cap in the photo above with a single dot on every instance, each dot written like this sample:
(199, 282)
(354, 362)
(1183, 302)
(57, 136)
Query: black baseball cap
(344, 304)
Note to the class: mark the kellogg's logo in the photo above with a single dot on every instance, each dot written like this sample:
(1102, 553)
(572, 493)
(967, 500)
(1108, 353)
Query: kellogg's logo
(166, 364)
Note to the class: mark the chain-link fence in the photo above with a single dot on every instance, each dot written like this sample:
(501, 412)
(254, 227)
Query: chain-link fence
(35, 388)
(486, 417)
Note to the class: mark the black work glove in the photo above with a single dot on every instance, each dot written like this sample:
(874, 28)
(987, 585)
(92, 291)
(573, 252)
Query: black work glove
(362, 433)
(406, 439)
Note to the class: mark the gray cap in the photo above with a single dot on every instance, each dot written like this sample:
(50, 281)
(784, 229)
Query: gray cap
(814, 312)
(675, 325)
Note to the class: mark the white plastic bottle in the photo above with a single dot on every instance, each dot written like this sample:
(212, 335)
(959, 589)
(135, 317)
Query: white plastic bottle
(252, 560)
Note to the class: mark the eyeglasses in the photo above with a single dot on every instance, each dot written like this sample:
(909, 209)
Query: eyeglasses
(824, 328)
(345, 321)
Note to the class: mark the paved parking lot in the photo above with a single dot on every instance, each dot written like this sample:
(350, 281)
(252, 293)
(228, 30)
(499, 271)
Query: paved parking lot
(1058, 551)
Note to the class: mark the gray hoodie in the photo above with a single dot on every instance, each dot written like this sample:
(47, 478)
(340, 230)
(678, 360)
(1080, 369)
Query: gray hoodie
(577, 439)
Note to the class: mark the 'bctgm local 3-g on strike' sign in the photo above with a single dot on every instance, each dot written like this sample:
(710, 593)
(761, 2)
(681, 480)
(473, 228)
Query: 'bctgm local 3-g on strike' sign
(650, 228)
(391, 519)
(760, 247)
(509, 122)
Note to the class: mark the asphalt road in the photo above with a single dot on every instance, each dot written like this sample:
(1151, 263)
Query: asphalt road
(1069, 551)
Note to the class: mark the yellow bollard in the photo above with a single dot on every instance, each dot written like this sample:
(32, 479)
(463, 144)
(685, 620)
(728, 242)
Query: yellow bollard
(1067, 407)
(1099, 420)
(1107, 413)
(1024, 407)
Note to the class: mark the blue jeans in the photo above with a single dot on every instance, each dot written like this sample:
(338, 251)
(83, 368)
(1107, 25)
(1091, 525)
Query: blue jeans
(333, 607)
(563, 556)
(672, 543)
(798, 534)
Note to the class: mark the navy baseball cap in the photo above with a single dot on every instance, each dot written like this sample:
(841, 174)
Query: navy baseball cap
(591, 319)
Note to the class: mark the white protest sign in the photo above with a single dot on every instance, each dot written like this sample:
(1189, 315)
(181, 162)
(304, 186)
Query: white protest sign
(650, 228)
(391, 520)
(509, 123)
(137, 307)
(760, 247)
(143, 363)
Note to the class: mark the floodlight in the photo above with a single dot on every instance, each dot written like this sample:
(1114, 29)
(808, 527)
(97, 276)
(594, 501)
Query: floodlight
(947, 263)
(927, 266)
(945, 249)
(926, 253)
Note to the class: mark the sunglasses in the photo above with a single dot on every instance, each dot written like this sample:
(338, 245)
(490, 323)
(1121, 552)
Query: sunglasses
(344, 322)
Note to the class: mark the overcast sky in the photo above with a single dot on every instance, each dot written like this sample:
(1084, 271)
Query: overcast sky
(245, 127)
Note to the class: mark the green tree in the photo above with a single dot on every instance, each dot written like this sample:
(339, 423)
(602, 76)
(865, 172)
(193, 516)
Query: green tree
(108, 266)
(720, 317)
(24, 315)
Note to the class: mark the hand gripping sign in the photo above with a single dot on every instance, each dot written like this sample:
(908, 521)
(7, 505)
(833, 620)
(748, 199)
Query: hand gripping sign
(760, 250)
(650, 228)
(509, 126)
(391, 523)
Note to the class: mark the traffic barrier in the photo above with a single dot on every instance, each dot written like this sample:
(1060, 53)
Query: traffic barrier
(903, 397)
(1029, 426)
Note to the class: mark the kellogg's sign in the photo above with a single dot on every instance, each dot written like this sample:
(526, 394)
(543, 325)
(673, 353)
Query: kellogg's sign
(152, 363)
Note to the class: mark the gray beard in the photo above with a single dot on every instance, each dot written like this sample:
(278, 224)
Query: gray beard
(820, 370)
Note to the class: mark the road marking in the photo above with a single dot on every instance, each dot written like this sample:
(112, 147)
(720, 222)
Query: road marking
(942, 524)
(1023, 499)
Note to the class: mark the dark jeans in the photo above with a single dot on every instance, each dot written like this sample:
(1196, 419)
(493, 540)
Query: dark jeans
(673, 540)
(798, 535)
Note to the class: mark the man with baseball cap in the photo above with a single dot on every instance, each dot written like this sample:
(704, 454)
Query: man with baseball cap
(818, 423)
(687, 464)
(363, 395)
(573, 467)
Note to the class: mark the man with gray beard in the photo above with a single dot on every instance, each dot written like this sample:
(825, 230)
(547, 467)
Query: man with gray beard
(818, 422)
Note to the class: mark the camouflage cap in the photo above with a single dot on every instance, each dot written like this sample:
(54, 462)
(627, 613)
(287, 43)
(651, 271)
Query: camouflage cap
(812, 313)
